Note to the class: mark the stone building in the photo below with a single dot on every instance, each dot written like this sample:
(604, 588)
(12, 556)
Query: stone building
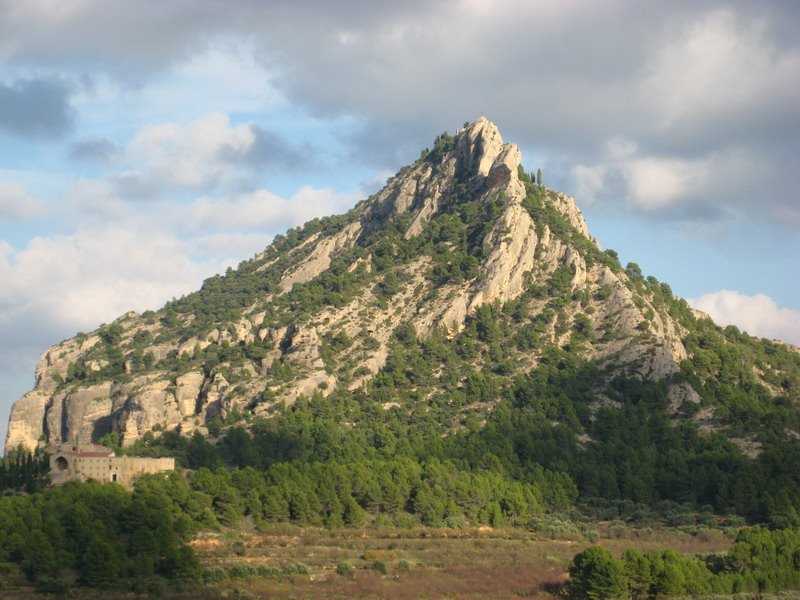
(81, 461)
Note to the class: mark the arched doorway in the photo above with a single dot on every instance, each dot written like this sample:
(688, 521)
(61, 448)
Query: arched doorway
(61, 463)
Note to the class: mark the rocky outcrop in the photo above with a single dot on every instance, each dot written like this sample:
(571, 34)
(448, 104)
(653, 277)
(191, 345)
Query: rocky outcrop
(25, 425)
(629, 318)
(187, 392)
(479, 146)
(567, 207)
(513, 242)
(320, 258)
(153, 404)
(180, 374)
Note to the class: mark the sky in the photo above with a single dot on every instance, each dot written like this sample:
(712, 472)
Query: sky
(145, 146)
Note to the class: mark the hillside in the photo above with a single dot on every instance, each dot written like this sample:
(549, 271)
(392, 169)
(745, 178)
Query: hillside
(463, 312)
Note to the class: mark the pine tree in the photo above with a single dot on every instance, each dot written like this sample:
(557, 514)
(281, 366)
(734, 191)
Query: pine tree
(597, 575)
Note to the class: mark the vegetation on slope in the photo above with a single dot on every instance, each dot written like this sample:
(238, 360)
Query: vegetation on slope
(498, 425)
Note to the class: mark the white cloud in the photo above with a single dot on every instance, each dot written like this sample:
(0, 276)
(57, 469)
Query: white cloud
(120, 259)
(77, 281)
(656, 182)
(264, 210)
(17, 203)
(92, 201)
(620, 148)
(230, 246)
(191, 156)
(686, 80)
(758, 315)
(722, 69)
(589, 182)
(716, 184)
(205, 154)
(648, 182)
(218, 74)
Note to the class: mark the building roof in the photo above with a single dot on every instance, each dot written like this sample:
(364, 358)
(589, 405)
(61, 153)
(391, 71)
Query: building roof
(84, 450)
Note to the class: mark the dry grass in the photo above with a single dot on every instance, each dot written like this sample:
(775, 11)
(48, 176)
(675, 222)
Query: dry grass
(420, 563)
(468, 564)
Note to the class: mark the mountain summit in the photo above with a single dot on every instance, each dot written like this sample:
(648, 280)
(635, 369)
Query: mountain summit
(462, 251)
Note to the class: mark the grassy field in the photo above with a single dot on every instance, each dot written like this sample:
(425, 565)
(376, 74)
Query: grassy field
(420, 563)
(402, 563)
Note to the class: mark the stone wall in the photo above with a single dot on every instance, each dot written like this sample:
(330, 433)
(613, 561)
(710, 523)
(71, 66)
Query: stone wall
(68, 464)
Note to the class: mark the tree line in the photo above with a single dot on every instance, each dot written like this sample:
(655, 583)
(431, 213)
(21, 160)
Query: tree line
(760, 561)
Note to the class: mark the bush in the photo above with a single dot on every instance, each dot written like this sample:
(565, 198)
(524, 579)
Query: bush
(380, 566)
(295, 569)
(345, 569)
(53, 585)
(267, 571)
(239, 549)
(241, 571)
(214, 574)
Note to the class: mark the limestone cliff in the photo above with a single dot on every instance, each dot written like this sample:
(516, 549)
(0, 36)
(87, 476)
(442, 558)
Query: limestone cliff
(462, 227)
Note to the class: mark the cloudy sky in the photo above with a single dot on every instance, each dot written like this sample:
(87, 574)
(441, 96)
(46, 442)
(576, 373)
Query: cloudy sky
(147, 145)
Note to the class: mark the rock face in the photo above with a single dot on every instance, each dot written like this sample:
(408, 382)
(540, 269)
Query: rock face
(460, 228)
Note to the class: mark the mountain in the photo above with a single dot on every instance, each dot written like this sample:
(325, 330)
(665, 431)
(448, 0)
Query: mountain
(448, 292)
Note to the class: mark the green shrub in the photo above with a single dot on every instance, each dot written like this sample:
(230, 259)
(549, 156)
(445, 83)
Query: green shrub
(380, 566)
(267, 571)
(345, 569)
(295, 569)
(239, 549)
(53, 585)
(241, 571)
(214, 574)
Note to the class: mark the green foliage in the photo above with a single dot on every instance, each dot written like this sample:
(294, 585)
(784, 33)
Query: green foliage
(336, 495)
(111, 334)
(760, 561)
(530, 436)
(295, 569)
(111, 440)
(561, 281)
(53, 585)
(380, 567)
(595, 574)
(723, 368)
(108, 536)
(539, 203)
(23, 470)
(345, 569)
(441, 146)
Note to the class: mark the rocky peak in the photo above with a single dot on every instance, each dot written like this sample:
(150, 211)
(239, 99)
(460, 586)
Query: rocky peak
(456, 230)
(478, 145)
(476, 158)
(481, 153)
